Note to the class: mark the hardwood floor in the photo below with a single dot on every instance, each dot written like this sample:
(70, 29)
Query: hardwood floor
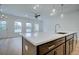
(11, 46)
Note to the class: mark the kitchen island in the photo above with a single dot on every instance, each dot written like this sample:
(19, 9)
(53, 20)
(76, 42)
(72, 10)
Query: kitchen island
(48, 43)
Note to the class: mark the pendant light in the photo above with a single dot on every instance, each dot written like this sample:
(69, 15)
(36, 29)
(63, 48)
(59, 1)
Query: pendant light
(36, 7)
(62, 15)
(36, 13)
(53, 11)
(2, 16)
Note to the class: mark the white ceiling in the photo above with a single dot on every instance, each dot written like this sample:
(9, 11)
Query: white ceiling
(44, 9)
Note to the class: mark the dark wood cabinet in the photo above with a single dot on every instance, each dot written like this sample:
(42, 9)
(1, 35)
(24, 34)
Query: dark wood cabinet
(67, 47)
(61, 46)
(28, 48)
(53, 47)
(69, 44)
(75, 41)
(58, 51)
(61, 49)
(53, 52)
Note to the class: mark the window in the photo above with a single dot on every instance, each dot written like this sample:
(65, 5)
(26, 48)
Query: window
(36, 27)
(18, 27)
(2, 25)
(28, 27)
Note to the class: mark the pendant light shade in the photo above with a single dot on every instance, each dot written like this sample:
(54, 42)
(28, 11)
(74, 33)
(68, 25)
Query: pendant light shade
(62, 15)
(2, 16)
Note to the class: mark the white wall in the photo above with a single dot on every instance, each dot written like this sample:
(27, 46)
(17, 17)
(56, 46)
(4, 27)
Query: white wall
(10, 25)
(70, 22)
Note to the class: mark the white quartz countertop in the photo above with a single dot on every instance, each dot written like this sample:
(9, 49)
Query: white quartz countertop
(42, 37)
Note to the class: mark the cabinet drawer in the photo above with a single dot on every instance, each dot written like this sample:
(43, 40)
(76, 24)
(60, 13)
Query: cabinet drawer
(58, 51)
(50, 45)
(69, 36)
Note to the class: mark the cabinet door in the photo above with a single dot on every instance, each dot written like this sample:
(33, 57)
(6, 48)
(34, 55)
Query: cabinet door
(58, 51)
(71, 46)
(75, 39)
(45, 48)
(67, 48)
(28, 48)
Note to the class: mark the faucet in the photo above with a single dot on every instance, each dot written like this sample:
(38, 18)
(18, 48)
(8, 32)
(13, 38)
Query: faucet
(56, 27)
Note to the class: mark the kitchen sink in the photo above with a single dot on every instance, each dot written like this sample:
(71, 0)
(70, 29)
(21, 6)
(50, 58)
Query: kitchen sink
(61, 33)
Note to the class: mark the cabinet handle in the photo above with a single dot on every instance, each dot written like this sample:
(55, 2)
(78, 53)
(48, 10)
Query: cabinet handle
(51, 47)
